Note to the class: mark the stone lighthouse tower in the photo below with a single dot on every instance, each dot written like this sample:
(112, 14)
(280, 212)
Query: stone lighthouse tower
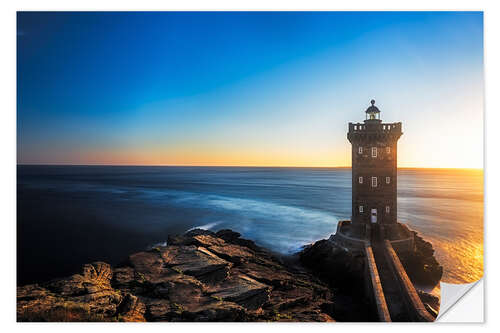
(374, 170)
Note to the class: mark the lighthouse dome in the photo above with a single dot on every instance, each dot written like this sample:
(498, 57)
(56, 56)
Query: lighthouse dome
(372, 108)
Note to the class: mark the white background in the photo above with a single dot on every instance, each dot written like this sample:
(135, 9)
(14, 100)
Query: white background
(8, 159)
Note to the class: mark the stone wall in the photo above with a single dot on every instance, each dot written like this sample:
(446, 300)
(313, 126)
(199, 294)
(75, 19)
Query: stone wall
(404, 245)
(414, 305)
(374, 286)
(343, 239)
(401, 239)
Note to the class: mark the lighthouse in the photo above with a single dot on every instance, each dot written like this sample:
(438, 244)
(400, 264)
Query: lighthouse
(374, 170)
(374, 232)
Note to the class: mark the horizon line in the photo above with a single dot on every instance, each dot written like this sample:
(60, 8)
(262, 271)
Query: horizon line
(235, 166)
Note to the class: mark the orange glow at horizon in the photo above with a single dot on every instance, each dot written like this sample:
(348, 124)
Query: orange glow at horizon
(214, 157)
(189, 156)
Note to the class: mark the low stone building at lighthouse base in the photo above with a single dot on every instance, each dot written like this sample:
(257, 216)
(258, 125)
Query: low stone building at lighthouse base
(354, 237)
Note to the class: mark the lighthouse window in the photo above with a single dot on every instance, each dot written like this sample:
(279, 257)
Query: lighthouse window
(374, 151)
(360, 150)
(361, 180)
(388, 150)
(387, 180)
(374, 181)
(361, 209)
(387, 209)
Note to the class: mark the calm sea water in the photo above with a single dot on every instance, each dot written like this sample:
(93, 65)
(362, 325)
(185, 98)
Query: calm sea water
(70, 215)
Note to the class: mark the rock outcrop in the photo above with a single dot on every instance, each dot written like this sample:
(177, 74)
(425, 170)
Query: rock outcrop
(422, 266)
(199, 276)
(343, 271)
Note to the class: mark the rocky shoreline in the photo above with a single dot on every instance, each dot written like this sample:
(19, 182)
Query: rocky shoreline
(211, 276)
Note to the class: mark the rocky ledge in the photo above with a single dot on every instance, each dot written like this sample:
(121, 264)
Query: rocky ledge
(199, 276)
(422, 266)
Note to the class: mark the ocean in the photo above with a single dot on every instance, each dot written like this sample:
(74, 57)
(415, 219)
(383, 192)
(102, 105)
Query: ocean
(71, 215)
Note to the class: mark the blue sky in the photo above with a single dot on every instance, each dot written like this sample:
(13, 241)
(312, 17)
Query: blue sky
(238, 88)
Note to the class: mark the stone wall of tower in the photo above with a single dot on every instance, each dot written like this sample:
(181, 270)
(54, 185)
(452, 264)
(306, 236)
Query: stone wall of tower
(381, 164)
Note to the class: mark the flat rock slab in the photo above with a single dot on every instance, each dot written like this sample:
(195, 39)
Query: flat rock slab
(266, 274)
(243, 290)
(221, 311)
(208, 240)
(149, 266)
(196, 261)
(232, 253)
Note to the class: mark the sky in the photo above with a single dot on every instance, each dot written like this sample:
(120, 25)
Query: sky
(246, 88)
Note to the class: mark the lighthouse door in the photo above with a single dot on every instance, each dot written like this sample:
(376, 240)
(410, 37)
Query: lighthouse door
(374, 215)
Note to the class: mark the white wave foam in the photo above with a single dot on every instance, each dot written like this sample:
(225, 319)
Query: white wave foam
(156, 245)
(279, 227)
(207, 226)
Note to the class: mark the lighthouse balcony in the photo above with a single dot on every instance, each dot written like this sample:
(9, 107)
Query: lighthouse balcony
(376, 127)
